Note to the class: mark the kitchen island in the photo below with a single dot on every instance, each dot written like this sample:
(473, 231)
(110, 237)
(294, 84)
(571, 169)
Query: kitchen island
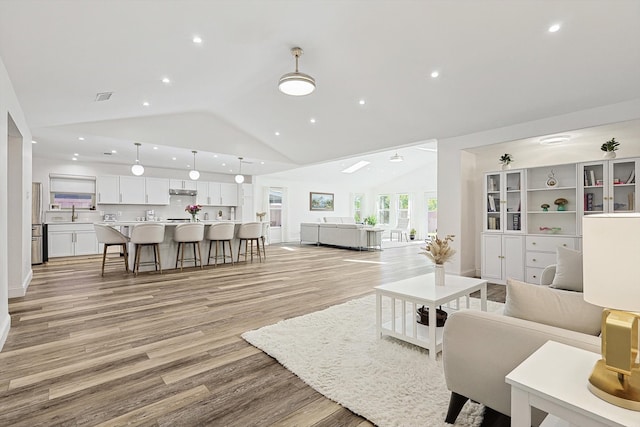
(168, 247)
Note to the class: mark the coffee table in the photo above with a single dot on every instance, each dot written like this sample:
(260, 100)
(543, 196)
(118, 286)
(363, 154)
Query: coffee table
(398, 319)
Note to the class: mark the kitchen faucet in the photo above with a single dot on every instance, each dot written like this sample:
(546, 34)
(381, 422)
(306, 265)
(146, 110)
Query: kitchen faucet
(73, 213)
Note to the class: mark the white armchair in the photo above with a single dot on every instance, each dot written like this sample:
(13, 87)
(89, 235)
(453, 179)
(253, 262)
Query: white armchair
(401, 228)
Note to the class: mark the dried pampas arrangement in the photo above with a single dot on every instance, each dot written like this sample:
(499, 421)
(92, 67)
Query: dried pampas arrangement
(438, 249)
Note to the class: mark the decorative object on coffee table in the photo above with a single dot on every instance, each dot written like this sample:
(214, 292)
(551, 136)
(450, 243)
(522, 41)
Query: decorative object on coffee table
(438, 251)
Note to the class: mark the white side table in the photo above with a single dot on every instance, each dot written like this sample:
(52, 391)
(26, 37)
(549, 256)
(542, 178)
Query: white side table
(554, 379)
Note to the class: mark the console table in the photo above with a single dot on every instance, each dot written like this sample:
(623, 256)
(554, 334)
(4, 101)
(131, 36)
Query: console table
(554, 379)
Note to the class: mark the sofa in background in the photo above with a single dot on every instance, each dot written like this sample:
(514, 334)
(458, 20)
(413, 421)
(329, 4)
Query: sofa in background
(480, 348)
(339, 231)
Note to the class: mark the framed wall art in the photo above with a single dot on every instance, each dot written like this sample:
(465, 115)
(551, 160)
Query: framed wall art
(320, 201)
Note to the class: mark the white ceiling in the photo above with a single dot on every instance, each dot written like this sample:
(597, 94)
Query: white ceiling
(498, 66)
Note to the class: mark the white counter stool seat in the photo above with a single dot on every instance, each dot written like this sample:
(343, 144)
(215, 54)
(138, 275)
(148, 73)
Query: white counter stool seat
(147, 235)
(192, 232)
(109, 236)
(220, 233)
(249, 232)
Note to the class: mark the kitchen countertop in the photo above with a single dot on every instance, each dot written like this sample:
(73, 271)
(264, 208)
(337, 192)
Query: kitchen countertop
(129, 223)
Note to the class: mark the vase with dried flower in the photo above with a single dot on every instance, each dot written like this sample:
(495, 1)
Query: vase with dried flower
(439, 251)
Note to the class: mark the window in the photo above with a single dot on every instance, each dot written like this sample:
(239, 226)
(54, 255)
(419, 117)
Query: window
(402, 208)
(357, 207)
(432, 213)
(384, 202)
(69, 191)
(275, 207)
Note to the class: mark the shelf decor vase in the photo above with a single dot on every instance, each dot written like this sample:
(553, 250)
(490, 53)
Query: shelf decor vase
(609, 154)
(194, 217)
(439, 274)
(506, 166)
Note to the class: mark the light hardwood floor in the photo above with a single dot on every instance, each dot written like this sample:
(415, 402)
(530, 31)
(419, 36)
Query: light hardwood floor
(165, 349)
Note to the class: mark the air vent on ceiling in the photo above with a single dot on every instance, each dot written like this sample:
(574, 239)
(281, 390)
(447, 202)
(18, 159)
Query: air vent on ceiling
(103, 96)
(108, 154)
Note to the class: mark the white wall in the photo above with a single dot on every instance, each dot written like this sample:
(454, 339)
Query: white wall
(453, 201)
(15, 271)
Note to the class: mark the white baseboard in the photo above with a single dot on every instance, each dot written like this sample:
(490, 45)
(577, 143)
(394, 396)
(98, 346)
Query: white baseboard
(5, 325)
(21, 291)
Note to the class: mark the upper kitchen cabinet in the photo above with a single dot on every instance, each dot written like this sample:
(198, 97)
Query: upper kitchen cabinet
(132, 190)
(183, 184)
(108, 188)
(217, 194)
(157, 191)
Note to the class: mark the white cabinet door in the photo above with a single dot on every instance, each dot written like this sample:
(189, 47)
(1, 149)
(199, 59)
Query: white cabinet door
(228, 194)
(214, 194)
(513, 257)
(492, 256)
(183, 184)
(86, 243)
(157, 191)
(176, 184)
(202, 198)
(132, 190)
(61, 243)
(190, 185)
(502, 257)
(108, 189)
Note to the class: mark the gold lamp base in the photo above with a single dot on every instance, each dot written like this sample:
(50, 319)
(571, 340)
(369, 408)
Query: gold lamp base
(617, 389)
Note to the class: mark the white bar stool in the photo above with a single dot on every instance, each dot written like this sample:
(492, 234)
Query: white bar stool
(189, 233)
(221, 232)
(109, 236)
(250, 232)
(147, 235)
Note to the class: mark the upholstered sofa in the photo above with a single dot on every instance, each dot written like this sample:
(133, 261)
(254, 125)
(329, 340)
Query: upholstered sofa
(481, 348)
(339, 234)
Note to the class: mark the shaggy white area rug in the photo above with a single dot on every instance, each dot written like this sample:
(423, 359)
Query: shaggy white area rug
(388, 382)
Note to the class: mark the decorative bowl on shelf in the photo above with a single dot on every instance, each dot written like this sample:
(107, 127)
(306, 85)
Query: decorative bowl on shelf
(550, 230)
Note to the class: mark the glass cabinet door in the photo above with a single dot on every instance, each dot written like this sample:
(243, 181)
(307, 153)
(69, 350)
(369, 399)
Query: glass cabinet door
(492, 214)
(622, 186)
(513, 200)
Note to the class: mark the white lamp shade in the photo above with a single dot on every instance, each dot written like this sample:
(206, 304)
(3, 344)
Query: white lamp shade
(239, 179)
(611, 260)
(194, 175)
(297, 84)
(137, 169)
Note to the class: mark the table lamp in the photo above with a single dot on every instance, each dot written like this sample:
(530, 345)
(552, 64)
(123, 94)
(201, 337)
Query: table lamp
(611, 260)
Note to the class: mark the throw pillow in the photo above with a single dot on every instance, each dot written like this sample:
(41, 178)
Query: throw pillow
(554, 307)
(568, 270)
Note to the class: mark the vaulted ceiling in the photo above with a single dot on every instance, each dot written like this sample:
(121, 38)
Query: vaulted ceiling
(497, 62)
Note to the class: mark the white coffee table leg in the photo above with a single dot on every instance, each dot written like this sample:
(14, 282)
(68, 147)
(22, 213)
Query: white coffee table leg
(379, 314)
(520, 408)
(483, 297)
(432, 331)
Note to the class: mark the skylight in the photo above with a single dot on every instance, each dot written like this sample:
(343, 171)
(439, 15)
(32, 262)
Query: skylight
(356, 166)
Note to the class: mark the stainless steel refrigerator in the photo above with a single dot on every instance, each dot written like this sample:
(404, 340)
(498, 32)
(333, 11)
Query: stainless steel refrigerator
(38, 229)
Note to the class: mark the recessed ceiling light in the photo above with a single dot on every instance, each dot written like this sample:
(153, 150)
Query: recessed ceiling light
(555, 139)
(224, 164)
(34, 142)
(166, 80)
(356, 166)
(312, 120)
(145, 103)
(155, 148)
(554, 28)
(188, 166)
(74, 158)
(362, 102)
(262, 163)
(277, 133)
(113, 151)
(215, 156)
(76, 154)
(81, 138)
(435, 74)
(197, 39)
(173, 158)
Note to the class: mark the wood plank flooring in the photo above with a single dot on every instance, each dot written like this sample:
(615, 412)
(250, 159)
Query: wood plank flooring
(165, 349)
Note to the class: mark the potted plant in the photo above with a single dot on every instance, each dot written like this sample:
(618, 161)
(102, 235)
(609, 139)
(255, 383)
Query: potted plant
(561, 203)
(610, 148)
(371, 220)
(506, 160)
(412, 234)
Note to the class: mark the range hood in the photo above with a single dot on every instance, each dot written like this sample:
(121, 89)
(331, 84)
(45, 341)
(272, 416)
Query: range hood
(182, 192)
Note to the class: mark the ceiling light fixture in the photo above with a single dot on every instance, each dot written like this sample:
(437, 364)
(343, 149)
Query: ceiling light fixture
(554, 28)
(194, 174)
(197, 39)
(145, 104)
(240, 178)
(435, 74)
(34, 141)
(296, 83)
(555, 139)
(362, 102)
(396, 158)
(166, 80)
(81, 138)
(137, 169)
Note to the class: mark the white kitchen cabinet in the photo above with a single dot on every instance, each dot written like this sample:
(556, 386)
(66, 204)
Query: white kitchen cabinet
(71, 240)
(108, 189)
(502, 257)
(228, 194)
(183, 184)
(203, 198)
(157, 191)
(132, 190)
